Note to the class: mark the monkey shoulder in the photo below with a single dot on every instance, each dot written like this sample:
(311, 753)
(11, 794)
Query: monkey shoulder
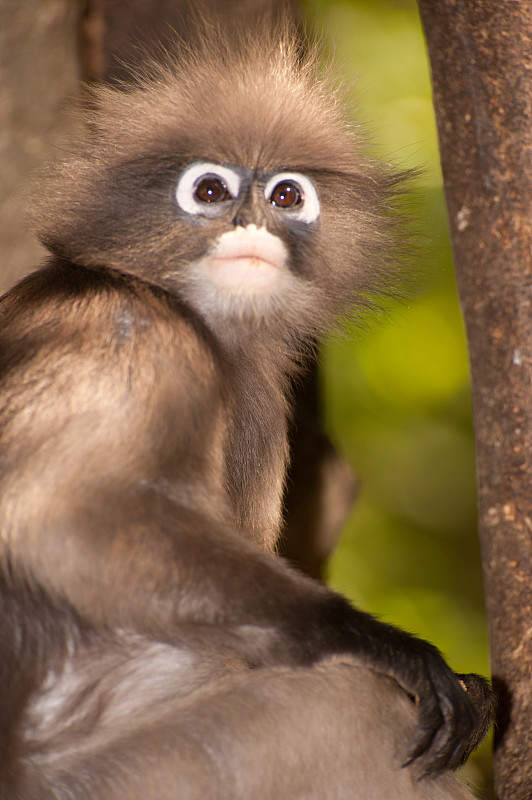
(117, 323)
(96, 367)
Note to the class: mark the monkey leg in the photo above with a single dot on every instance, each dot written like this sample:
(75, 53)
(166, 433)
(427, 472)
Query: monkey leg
(334, 731)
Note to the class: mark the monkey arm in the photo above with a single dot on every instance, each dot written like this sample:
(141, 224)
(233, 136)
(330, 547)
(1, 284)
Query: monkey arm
(148, 565)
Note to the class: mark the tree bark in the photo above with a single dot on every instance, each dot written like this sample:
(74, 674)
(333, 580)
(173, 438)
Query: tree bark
(481, 59)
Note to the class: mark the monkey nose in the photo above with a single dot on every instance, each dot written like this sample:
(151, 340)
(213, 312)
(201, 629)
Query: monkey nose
(240, 220)
(245, 216)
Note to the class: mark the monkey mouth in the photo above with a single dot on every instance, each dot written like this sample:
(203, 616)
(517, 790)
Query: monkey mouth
(244, 274)
(247, 260)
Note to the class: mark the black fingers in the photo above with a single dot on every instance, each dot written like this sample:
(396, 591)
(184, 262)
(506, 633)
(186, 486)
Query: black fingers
(454, 714)
(479, 692)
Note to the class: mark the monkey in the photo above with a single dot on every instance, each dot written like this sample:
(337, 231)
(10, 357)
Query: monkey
(215, 220)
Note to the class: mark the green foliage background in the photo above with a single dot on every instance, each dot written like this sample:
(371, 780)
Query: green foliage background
(397, 395)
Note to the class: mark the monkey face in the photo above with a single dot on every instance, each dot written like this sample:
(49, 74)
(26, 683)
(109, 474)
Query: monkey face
(247, 265)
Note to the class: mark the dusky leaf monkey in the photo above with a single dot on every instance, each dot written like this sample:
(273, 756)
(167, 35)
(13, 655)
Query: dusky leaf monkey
(212, 223)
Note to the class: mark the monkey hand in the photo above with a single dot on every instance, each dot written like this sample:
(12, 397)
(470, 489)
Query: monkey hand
(485, 702)
(455, 711)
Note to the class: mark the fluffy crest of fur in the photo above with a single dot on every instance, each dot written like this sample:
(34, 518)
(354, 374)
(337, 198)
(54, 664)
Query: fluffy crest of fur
(243, 96)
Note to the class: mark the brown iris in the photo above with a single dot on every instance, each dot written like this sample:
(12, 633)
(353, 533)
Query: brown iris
(211, 190)
(286, 195)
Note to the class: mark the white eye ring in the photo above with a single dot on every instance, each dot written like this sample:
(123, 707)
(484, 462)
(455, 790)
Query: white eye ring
(190, 178)
(308, 210)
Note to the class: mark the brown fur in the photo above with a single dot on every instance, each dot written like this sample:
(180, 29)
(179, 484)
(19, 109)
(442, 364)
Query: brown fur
(143, 426)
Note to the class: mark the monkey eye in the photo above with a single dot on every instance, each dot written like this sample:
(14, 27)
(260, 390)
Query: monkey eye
(204, 188)
(293, 194)
(286, 195)
(211, 190)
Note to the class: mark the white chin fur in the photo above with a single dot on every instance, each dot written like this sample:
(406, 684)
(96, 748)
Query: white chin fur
(246, 261)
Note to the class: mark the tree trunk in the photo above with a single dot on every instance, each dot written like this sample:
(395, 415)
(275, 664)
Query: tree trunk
(481, 58)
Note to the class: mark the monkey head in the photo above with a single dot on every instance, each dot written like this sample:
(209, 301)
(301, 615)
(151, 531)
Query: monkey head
(230, 177)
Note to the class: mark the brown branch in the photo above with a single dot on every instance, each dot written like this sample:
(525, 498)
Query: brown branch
(481, 57)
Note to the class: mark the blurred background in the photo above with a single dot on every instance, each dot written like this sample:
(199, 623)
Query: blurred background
(396, 394)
